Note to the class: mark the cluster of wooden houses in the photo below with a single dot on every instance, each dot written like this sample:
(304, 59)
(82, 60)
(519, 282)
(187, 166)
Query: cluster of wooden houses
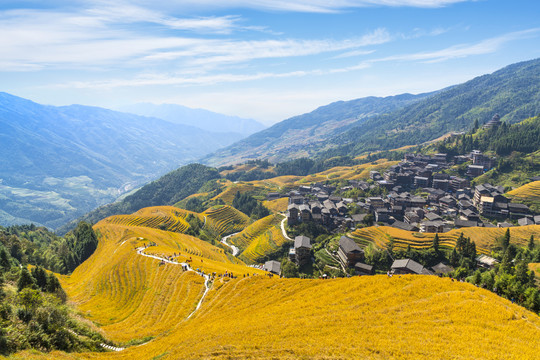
(419, 198)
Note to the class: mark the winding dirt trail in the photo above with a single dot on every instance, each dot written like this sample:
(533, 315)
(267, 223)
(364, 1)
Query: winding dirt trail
(235, 250)
(283, 228)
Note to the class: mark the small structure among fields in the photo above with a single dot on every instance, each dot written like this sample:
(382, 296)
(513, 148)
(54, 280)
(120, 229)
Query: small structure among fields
(273, 267)
(409, 266)
(349, 252)
(302, 249)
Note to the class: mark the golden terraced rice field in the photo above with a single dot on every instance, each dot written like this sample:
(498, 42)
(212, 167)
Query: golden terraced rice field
(160, 217)
(527, 193)
(224, 219)
(260, 238)
(371, 317)
(278, 205)
(485, 238)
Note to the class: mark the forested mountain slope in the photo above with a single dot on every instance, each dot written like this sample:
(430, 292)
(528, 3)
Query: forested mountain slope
(512, 92)
(61, 162)
(369, 124)
(301, 135)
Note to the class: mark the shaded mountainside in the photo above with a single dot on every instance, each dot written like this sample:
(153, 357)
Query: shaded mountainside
(513, 92)
(204, 119)
(65, 161)
(304, 134)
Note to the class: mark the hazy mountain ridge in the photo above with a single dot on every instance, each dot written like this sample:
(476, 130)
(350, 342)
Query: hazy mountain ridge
(306, 134)
(65, 161)
(370, 124)
(203, 119)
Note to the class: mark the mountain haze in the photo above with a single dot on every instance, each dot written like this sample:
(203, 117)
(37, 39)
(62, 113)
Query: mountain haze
(65, 161)
(203, 119)
(298, 136)
(370, 124)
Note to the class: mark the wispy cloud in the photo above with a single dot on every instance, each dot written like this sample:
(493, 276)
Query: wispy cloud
(307, 6)
(458, 51)
(101, 37)
(487, 46)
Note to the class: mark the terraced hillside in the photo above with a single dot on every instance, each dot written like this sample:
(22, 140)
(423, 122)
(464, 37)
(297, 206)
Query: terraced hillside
(277, 205)
(133, 296)
(158, 217)
(224, 219)
(485, 238)
(528, 194)
(227, 195)
(260, 318)
(260, 239)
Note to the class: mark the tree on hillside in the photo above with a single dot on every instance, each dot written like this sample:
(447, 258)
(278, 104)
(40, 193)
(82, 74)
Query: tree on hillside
(249, 206)
(25, 280)
(436, 242)
(2, 292)
(40, 277)
(83, 242)
(289, 269)
(530, 245)
(4, 260)
(506, 240)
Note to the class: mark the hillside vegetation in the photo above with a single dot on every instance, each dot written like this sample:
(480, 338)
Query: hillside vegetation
(300, 135)
(512, 92)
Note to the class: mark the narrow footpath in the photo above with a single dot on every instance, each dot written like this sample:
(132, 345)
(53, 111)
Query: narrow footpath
(283, 228)
(186, 266)
(235, 250)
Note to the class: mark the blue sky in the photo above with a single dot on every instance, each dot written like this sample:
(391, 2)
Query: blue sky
(267, 59)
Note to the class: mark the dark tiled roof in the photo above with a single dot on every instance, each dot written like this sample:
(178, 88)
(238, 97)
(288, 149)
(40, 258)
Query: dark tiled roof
(302, 241)
(408, 264)
(348, 245)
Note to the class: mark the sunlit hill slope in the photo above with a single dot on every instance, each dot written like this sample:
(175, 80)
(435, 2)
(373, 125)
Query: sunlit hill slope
(135, 297)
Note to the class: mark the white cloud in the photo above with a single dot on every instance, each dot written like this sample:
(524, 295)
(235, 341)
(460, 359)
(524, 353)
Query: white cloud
(293, 49)
(487, 46)
(307, 6)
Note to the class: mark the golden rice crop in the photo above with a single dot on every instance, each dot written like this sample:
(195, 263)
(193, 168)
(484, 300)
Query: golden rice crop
(485, 238)
(527, 193)
(370, 317)
(264, 244)
(259, 239)
(277, 205)
(225, 219)
(162, 217)
(227, 195)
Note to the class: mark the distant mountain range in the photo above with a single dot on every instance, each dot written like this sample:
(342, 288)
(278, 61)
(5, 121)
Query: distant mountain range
(370, 124)
(300, 135)
(61, 162)
(203, 119)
